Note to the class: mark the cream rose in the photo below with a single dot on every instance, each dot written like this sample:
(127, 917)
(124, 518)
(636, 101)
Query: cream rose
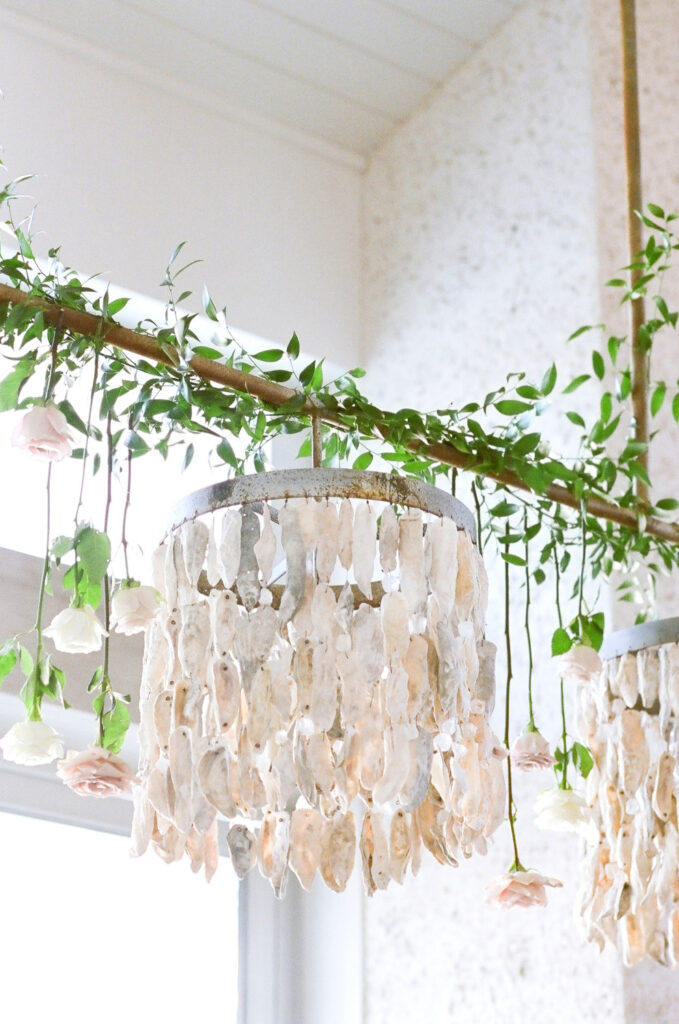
(76, 631)
(563, 810)
(519, 889)
(32, 743)
(43, 431)
(133, 608)
(95, 772)
(581, 664)
(531, 750)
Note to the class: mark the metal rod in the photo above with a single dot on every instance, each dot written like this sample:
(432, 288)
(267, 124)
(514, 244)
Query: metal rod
(277, 394)
(630, 91)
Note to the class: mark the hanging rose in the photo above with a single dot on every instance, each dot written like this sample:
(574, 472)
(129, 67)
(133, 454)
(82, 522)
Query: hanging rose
(95, 772)
(531, 750)
(32, 743)
(581, 664)
(76, 631)
(519, 889)
(133, 607)
(43, 431)
(563, 810)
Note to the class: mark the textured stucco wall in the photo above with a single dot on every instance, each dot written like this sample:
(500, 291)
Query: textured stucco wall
(481, 257)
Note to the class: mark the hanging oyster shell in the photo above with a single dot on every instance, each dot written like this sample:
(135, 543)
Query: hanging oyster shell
(295, 553)
(364, 546)
(265, 547)
(306, 827)
(230, 546)
(411, 562)
(327, 539)
(388, 540)
(345, 533)
(243, 849)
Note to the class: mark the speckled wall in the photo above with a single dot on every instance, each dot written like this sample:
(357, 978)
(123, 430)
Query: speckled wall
(483, 224)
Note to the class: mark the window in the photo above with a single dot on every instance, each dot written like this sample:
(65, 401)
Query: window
(90, 933)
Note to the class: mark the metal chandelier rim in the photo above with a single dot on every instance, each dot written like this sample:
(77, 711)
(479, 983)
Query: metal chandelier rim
(637, 638)
(278, 485)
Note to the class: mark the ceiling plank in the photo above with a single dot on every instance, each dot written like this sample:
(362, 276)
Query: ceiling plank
(471, 20)
(396, 36)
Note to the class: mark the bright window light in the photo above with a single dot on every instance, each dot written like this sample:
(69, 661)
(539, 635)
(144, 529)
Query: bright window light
(91, 934)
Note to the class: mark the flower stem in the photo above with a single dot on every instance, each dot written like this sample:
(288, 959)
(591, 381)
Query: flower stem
(105, 680)
(581, 583)
(87, 439)
(516, 866)
(564, 770)
(529, 642)
(128, 498)
(477, 506)
(51, 374)
(45, 568)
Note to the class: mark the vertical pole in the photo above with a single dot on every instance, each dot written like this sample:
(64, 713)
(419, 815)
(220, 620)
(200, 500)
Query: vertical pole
(316, 441)
(630, 87)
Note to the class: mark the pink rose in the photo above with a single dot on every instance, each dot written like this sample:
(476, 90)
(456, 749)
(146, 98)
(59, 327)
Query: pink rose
(531, 750)
(581, 664)
(43, 431)
(519, 889)
(95, 772)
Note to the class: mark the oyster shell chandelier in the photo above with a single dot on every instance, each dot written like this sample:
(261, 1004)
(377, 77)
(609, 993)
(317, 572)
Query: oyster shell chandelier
(313, 706)
(629, 894)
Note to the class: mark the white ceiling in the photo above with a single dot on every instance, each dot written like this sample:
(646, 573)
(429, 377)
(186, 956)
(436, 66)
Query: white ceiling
(344, 71)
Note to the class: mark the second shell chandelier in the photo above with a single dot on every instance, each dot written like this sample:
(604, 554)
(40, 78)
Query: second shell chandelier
(318, 680)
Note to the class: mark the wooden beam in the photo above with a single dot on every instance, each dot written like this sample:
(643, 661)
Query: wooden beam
(89, 325)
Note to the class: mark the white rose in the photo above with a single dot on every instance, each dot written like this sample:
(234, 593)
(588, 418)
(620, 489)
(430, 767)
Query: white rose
(563, 810)
(76, 631)
(43, 431)
(581, 664)
(133, 608)
(32, 743)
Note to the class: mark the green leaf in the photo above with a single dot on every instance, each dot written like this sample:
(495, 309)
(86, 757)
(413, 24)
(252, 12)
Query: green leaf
(657, 398)
(512, 407)
(116, 723)
(667, 504)
(94, 552)
(582, 759)
(561, 642)
(598, 365)
(549, 380)
(504, 508)
(293, 347)
(675, 408)
(576, 383)
(188, 456)
(226, 453)
(363, 460)
(208, 305)
(25, 661)
(575, 418)
(10, 387)
(513, 559)
(134, 442)
(8, 659)
(656, 210)
(206, 352)
(269, 355)
(357, 372)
